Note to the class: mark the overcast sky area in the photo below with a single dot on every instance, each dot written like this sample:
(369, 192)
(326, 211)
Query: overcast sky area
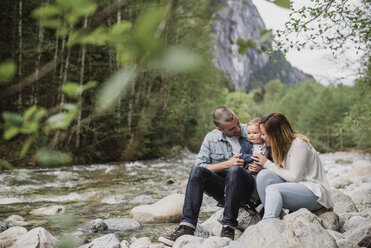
(321, 64)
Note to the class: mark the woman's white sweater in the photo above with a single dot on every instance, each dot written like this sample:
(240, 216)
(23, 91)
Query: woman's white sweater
(303, 165)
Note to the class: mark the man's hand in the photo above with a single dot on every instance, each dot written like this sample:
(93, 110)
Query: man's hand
(235, 160)
(260, 159)
(254, 167)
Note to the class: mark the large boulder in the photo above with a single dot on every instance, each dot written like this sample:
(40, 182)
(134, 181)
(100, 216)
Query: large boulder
(8, 237)
(168, 209)
(189, 241)
(285, 233)
(47, 211)
(106, 241)
(36, 238)
(122, 224)
(358, 172)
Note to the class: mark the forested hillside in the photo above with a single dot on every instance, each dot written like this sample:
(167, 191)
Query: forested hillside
(85, 81)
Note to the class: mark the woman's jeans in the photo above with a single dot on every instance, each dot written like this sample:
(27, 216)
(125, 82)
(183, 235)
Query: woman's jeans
(275, 193)
(232, 186)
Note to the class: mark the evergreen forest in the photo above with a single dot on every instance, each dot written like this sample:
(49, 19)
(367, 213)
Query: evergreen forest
(86, 81)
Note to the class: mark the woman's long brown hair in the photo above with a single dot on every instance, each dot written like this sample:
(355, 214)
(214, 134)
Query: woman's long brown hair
(279, 129)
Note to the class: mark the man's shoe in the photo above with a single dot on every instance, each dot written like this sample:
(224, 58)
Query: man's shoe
(182, 230)
(228, 232)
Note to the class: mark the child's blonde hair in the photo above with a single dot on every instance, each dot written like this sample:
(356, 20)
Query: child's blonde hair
(254, 122)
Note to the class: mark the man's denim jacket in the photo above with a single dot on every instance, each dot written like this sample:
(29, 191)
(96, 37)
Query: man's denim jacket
(216, 149)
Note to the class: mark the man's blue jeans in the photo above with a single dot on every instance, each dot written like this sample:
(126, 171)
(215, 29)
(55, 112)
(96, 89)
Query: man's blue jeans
(232, 186)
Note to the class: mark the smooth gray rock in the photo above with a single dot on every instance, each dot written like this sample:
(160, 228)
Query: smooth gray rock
(342, 203)
(47, 211)
(285, 233)
(93, 226)
(143, 242)
(36, 238)
(3, 226)
(122, 224)
(9, 236)
(106, 241)
(188, 241)
(168, 209)
(16, 220)
(362, 195)
(303, 215)
(124, 244)
(330, 220)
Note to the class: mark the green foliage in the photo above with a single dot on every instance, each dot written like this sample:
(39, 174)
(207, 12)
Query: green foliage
(260, 43)
(46, 157)
(337, 25)
(7, 71)
(283, 3)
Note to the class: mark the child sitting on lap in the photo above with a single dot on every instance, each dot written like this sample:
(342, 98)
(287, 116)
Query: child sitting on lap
(254, 144)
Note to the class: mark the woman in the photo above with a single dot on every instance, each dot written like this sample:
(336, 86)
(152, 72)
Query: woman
(297, 179)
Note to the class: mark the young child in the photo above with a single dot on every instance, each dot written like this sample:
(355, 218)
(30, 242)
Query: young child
(254, 144)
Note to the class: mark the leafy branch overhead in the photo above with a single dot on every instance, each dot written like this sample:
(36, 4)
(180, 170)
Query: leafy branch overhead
(138, 44)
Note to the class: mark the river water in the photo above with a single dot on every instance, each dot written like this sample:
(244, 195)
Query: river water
(108, 190)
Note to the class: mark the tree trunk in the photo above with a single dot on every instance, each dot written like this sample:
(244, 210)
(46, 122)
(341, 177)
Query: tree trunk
(118, 68)
(82, 70)
(20, 52)
(40, 38)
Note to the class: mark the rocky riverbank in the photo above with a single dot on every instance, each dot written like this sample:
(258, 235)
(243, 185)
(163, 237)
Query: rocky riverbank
(348, 225)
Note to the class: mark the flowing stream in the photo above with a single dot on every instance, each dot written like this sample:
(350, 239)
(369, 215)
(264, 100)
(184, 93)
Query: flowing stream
(108, 190)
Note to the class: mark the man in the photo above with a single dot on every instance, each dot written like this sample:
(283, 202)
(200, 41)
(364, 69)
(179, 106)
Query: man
(219, 173)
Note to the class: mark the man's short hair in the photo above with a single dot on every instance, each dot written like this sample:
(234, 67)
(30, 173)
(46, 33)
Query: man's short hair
(222, 114)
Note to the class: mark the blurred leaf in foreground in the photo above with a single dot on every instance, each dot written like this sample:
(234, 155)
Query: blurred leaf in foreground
(114, 88)
(46, 157)
(7, 70)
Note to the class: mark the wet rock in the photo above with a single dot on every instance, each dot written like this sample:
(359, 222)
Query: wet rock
(51, 210)
(142, 199)
(16, 220)
(122, 224)
(285, 233)
(106, 241)
(36, 238)
(3, 226)
(143, 242)
(93, 226)
(168, 209)
(9, 236)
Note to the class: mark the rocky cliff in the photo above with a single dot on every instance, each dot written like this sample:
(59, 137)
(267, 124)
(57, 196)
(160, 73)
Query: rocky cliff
(241, 19)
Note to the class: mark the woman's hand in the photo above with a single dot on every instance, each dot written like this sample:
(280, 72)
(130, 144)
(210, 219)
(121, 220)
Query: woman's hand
(260, 159)
(254, 167)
